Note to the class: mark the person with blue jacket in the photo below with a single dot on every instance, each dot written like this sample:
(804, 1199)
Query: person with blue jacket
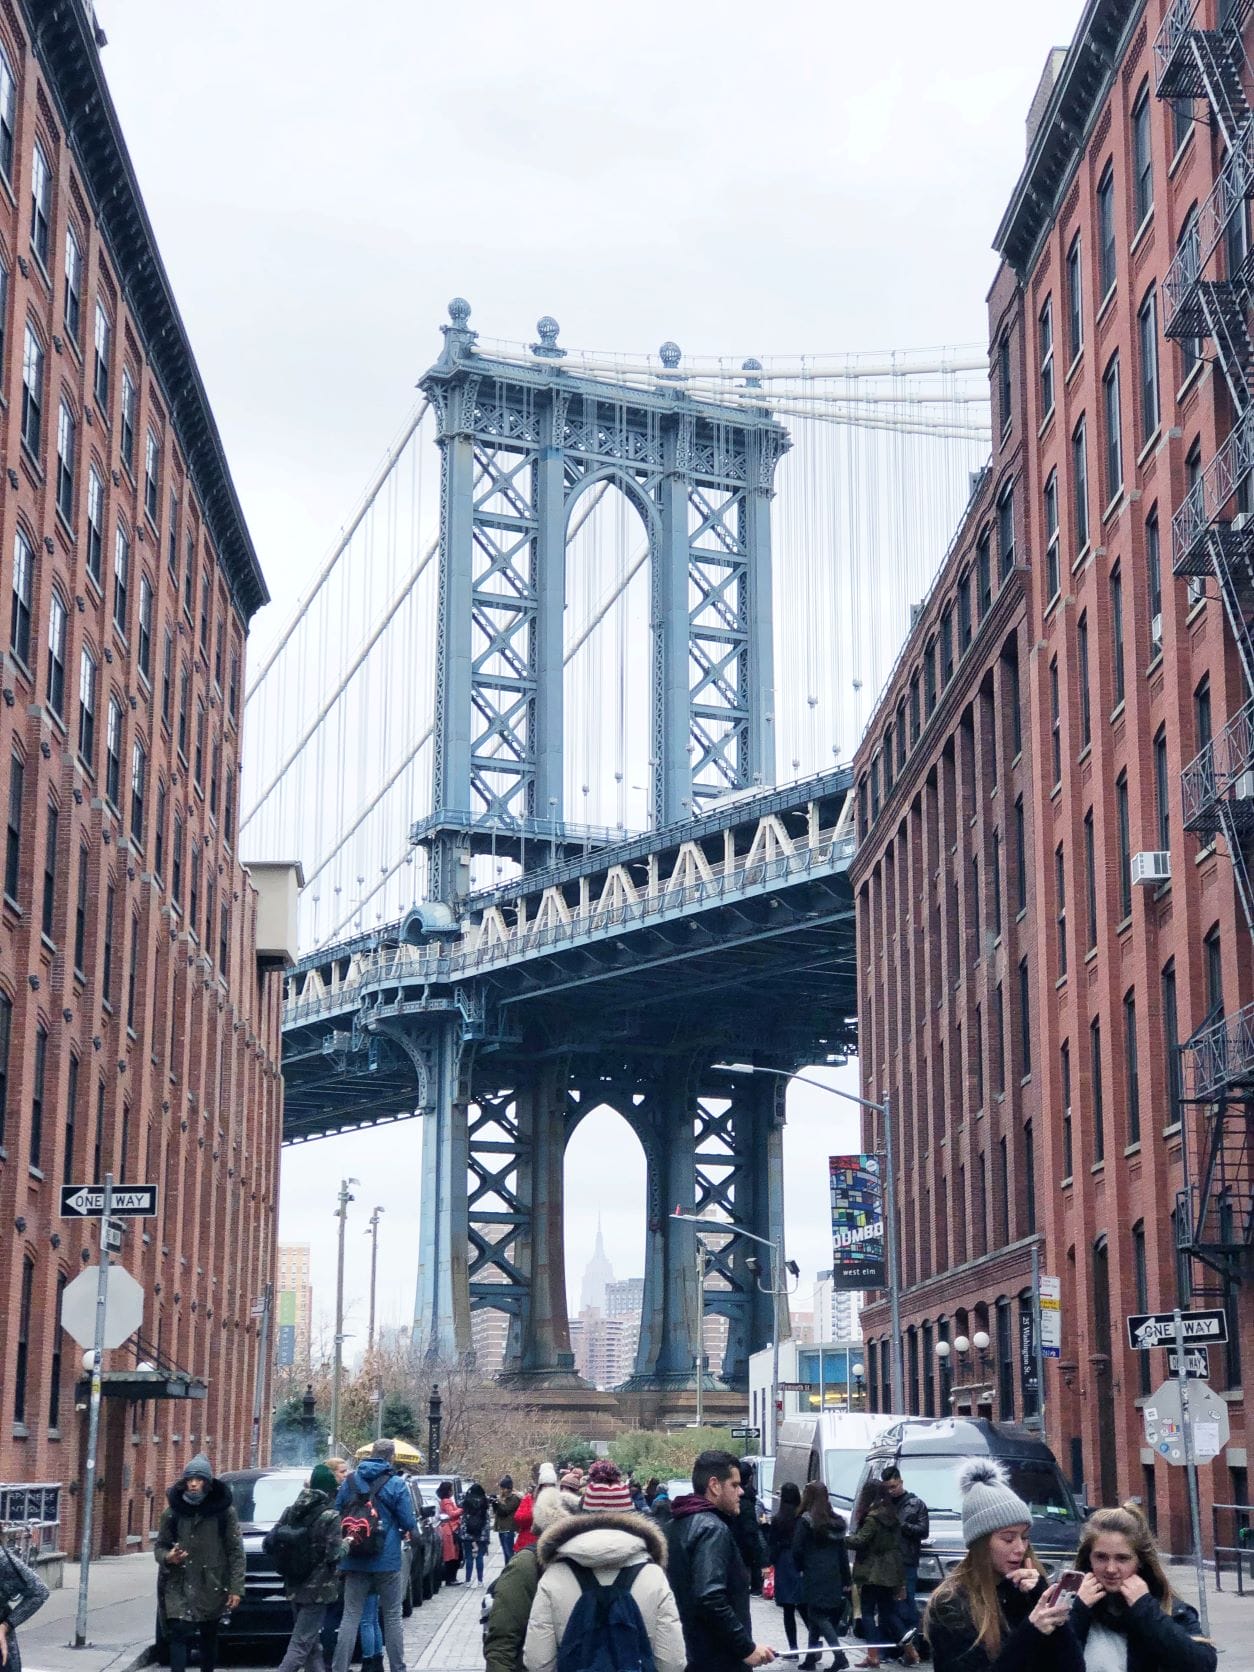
(378, 1575)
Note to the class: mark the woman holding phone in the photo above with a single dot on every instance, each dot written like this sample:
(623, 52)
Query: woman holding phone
(1125, 1615)
(996, 1612)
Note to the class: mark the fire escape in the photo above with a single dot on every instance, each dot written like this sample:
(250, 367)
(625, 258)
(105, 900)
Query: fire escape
(1207, 293)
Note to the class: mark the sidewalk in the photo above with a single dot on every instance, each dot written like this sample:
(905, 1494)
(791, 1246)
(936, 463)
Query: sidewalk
(122, 1605)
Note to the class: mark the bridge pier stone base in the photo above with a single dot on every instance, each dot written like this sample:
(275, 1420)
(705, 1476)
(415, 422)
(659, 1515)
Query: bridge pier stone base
(442, 1309)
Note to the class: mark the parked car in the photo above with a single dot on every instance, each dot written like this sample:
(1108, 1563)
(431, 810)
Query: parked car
(427, 1573)
(264, 1615)
(930, 1453)
(430, 1482)
(831, 1447)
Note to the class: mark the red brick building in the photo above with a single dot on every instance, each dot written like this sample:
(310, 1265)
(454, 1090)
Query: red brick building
(1127, 357)
(138, 1033)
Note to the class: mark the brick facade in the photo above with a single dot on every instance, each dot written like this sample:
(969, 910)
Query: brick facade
(142, 1037)
(1142, 667)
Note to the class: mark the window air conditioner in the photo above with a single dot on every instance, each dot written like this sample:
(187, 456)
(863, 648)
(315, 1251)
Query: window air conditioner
(1151, 868)
(1243, 787)
(1156, 632)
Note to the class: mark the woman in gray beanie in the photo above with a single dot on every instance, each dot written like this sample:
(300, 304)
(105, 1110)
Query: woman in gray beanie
(994, 1612)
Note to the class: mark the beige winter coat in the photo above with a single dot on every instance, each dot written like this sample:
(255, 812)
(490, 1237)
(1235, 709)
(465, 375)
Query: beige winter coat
(603, 1543)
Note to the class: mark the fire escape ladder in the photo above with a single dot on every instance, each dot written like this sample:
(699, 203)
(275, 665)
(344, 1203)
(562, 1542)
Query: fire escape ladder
(1223, 309)
(1219, 1210)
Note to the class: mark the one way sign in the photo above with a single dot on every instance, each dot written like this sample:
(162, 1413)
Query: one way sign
(1158, 1329)
(129, 1201)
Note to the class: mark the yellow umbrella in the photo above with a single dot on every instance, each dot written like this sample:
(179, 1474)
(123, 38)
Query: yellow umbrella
(407, 1456)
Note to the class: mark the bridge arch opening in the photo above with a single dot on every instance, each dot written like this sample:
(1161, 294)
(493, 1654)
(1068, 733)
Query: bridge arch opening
(607, 650)
(605, 1218)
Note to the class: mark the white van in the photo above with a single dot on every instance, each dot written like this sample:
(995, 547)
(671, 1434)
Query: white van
(832, 1447)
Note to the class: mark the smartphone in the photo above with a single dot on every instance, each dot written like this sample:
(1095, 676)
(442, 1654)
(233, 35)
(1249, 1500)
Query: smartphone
(1067, 1583)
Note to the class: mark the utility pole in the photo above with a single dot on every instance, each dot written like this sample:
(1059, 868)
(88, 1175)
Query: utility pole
(374, 1272)
(341, 1213)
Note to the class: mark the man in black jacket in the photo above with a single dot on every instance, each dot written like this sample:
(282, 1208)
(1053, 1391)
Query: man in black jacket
(707, 1572)
(912, 1519)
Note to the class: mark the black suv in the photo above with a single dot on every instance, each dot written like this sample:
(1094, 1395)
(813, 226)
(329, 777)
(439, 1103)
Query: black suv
(930, 1453)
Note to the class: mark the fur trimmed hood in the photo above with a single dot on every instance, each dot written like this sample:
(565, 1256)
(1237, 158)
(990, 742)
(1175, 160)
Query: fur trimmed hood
(551, 1505)
(604, 1539)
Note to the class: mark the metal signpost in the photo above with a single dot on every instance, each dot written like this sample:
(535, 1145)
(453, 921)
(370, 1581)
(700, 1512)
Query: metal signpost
(1183, 1421)
(262, 1310)
(93, 1419)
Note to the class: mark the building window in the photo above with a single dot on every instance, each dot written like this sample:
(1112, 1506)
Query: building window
(1082, 659)
(1171, 1040)
(1181, 121)
(232, 690)
(6, 1034)
(1162, 790)
(80, 913)
(929, 678)
(54, 1365)
(1114, 435)
(1099, 1114)
(126, 435)
(964, 612)
(104, 355)
(228, 807)
(1021, 858)
(189, 576)
(205, 588)
(999, 1040)
(1090, 876)
(1154, 582)
(1045, 334)
(73, 284)
(1075, 299)
(1006, 528)
(106, 965)
(95, 524)
(996, 883)
(1025, 1018)
(1214, 976)
(172, 546)
(1116, 631)
(4, 312)
(50, 872)
(184, 688)
(218, 641)
(39, 1072)
(1005, 1362)
(152, 477)
(1060, 910)
(21, 1357)
(1189, 250)
(132, 981)
(1053, 566)
(1202, 716)
(139, 783)
(71, 1122)
(1106, 232)
(23, 594)
(40, 204)
(13, 832)
(8, 116)
(984, 573)
(1125, 846)
(1147, 355)
(198, 759)
(121, 578)
(158, 838)
(915, 718)
(1068, 1158)
(215, 769)
(1003, 380)
(1029, 1179)
(1142, 162)
(1140, 1281)
(193, 890)
(1132, 1063)
(32, 392)
(113, 752)
(1080, 487)
(1055, 720)
(947, 646)
(145, 627)
(66, 437)
(87, 706)
(167, 676)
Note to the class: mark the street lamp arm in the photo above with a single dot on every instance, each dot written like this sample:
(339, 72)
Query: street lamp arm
(801, 1080)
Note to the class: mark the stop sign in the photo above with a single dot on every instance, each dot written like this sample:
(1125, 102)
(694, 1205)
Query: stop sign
(124, 1306)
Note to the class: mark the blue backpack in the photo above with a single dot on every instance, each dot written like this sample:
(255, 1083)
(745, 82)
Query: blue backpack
(606, 1630)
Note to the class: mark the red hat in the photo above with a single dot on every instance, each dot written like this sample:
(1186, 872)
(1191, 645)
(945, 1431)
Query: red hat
(606, 1488)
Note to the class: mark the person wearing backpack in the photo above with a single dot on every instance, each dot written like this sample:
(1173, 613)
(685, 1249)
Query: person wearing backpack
(603, 1603)
(200, 1555)
(376, 1512)
(474, 1531)
(508, 1600)
(305, 1546)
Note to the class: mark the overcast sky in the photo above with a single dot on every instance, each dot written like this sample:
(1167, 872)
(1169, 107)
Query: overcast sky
(322, 179)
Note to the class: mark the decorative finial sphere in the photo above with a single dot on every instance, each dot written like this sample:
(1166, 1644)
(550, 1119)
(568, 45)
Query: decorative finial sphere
(751, 365)
(547, 329)
(670, 354)
(459, 310)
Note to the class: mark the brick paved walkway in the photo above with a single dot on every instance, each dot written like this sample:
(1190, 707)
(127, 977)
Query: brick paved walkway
(444, 1634)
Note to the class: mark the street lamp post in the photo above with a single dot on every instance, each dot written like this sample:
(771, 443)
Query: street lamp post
(341, 1213)
(859, 1372)
(896, 1369)
(775, 1290)
(434, 1420)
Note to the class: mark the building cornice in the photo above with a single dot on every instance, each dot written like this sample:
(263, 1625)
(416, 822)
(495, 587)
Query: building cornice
(1083, 83)
(64, 41)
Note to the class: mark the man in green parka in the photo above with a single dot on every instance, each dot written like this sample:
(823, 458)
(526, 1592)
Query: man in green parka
(515, 1588)
(200, 1555)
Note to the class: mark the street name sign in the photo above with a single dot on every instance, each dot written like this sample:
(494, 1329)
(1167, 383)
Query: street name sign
(1051, 1317)
(1158, 1329)
(1164, 1422)
(1196, 1362)
(113, 1237)
(746, 1433)
(86, 1201)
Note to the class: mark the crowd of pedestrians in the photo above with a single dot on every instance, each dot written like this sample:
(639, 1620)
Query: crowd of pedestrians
(603, 1574)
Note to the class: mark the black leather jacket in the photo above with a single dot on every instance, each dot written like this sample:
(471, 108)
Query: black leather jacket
(1157, 1642)
(711, 1586)
(912, 1518)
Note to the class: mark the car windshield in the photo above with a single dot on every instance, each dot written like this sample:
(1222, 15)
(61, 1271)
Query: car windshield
(262, 1501)
(935, 1480)
(841, 1470)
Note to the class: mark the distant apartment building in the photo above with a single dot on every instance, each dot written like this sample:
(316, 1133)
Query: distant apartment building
(836, 1311)
(604, 1348)
(293, 1306)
